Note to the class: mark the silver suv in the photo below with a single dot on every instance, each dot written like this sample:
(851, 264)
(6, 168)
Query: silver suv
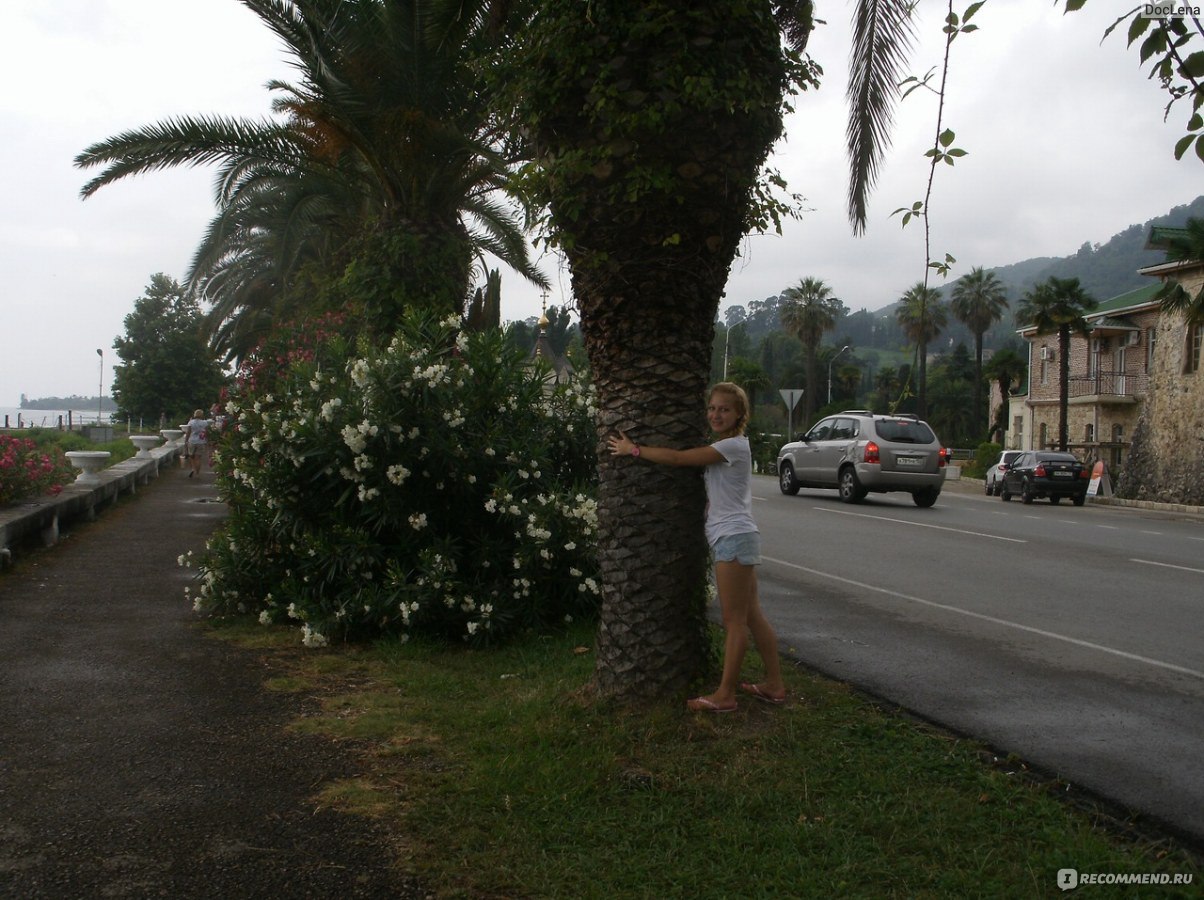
(857, 452)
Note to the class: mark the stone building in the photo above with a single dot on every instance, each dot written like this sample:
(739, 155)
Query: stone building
(1136, 394)
(1109, 380)
(1167, 458)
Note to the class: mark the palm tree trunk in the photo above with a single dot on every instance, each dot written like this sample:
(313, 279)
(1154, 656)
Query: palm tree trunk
(810, 364)
(1063, 387)
(982, 411)
(922, 387)
(649, 363)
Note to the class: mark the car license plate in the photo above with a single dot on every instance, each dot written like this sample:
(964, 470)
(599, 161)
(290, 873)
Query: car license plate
(1063, 474)
(909, 462)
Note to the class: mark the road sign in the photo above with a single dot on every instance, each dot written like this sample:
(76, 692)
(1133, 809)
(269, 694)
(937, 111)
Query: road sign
(791, 396)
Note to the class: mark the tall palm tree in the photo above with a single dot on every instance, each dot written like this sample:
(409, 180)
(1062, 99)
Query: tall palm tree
(385, 144)
(1058, 306)
(922, 317)
(1005, 368)
(808, 311)
(978, 302)
(650, 123)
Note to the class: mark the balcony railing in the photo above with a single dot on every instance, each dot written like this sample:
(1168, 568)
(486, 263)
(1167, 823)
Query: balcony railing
(1109, 384)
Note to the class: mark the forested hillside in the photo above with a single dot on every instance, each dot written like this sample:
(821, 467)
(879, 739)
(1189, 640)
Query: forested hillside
(1105, 271)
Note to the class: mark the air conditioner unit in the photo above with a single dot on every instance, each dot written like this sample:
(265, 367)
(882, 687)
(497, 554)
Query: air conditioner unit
(1133, 338)
(1047, 353)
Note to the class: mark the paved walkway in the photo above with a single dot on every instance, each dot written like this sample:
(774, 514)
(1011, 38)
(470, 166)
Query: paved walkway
(140, 758)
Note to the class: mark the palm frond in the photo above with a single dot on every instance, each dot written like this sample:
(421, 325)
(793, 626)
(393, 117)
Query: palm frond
(883, 32)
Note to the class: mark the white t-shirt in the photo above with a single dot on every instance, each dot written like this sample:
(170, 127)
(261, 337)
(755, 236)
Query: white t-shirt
(729, 490)
(198, 431)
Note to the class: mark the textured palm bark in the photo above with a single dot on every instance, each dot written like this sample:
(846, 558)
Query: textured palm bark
(649, 372)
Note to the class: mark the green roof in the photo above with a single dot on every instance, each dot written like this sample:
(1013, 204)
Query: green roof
(1139, 297)
(1162, 235)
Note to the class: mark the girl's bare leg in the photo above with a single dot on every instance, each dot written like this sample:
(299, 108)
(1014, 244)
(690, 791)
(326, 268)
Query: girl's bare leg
(736, 590)
(766, 641)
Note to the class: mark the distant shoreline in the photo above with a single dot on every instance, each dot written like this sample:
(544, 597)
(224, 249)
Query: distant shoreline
(56, 403)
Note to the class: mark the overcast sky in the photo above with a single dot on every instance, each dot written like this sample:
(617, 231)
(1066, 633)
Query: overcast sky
(1064, 133)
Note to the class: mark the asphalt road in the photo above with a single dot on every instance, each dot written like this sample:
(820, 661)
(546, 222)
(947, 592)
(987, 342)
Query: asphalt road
(1071, 637)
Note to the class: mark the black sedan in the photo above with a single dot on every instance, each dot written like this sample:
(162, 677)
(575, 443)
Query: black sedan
(1046, 473)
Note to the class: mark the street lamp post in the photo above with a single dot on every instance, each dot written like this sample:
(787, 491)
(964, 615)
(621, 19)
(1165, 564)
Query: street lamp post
(100, 393)
(832, 360)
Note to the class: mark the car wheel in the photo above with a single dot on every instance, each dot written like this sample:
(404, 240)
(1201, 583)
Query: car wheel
(850, 487)
(1080, 500)
(926, 497)
(1004, 492)
(786, 479)
(990, 488)
(1053, 501)
(1026, 492)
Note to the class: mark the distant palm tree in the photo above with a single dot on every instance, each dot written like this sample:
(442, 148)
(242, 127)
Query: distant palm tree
(886, 383)
(979, 299)
(1186, 248)
(1005, 368)
(1057, 306)
(807, 311)
(922, 317)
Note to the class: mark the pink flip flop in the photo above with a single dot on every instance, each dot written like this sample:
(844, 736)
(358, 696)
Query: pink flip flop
(702, 704)
(755, 689)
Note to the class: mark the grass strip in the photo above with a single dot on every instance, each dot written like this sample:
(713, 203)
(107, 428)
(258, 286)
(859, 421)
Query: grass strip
(504, 779)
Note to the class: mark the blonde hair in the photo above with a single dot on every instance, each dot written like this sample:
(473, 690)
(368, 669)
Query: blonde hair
(734, 390)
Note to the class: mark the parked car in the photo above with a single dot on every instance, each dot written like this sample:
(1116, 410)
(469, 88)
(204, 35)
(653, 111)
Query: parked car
(857, 452)
(1046, 473)
(994, 477)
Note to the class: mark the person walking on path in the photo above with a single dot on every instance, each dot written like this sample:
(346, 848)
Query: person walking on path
(196, 440)
(734, 540)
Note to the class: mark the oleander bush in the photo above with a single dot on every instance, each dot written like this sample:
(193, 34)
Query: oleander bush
(28, 469)
(441, 485)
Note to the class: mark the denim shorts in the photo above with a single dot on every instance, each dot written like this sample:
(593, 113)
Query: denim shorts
(742, 548)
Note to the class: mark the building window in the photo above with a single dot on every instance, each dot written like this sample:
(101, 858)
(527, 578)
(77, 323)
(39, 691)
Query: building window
(1089, 434)
(1195, 337)
(1118, 433)
(1043, 442)
(1151, 339)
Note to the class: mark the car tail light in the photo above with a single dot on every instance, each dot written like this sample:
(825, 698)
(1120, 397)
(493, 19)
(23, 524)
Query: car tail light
(1039, 471)
(944, 457)
(871, 452)
(1084, 473)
